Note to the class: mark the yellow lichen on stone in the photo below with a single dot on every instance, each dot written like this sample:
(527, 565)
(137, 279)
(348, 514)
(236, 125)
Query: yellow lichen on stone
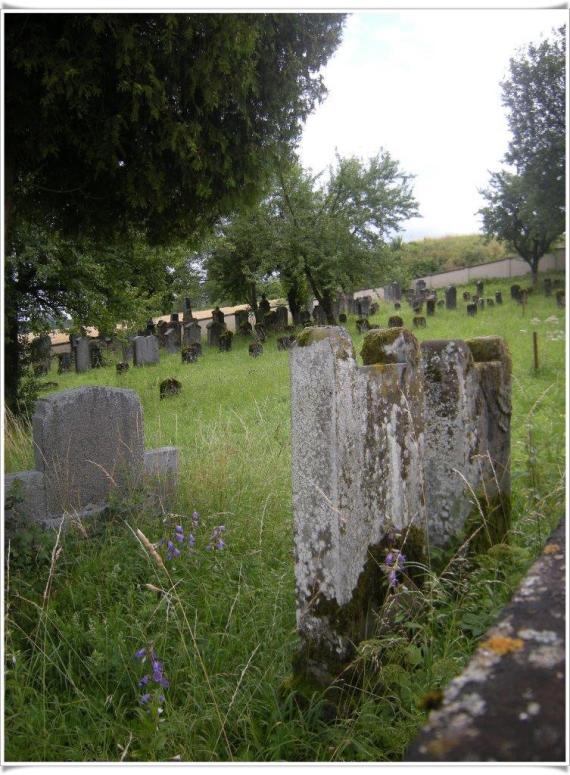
(501, 644)
(551, 549)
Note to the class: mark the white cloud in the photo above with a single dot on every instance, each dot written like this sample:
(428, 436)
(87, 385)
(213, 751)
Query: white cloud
(425, 85)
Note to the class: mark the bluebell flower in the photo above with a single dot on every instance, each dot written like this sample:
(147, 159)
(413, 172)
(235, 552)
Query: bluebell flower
(144, 699)
(144, 680)
(141, 653)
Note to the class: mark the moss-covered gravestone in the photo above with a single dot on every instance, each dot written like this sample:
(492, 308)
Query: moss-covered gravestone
(414, 443)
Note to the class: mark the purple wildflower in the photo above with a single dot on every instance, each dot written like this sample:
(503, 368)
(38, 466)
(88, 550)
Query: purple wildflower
(195, 519)
(144, 680)
(172, 551)
(179, 528)
(191, 541)
(141, 653)
(395, 561)
(179, 536)
(144, 699)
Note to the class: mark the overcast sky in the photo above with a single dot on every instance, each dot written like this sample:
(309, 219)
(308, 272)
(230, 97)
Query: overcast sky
(425, 86)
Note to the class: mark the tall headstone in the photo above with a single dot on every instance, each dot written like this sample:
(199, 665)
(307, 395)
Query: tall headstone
(382, 454)
(498, 297)
(547, 286)
(81, 352)
(451, 297)
(479, 286)
(282, 317)
(319, 315)
(430, 306)
(171, 340)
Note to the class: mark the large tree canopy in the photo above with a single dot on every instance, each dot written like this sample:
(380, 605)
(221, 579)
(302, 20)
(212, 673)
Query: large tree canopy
(526, 209)
(321, 236)
(158, 121)
(124, 130)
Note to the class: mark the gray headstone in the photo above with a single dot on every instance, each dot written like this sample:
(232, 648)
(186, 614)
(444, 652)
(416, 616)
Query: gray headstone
(171, 340)
(192, 334)
(87, 440)
(82, 356)
(451, 297)
(146, 350)
(214, 330)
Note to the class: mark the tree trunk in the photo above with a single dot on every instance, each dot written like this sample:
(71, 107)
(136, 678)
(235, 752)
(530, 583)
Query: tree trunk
(534, 270)
(12, 368)
(294, 305)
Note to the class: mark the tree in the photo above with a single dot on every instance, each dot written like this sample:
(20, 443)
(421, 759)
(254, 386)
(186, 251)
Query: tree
(140, 127)
(331, 233)
(517, 214)
(527, 209)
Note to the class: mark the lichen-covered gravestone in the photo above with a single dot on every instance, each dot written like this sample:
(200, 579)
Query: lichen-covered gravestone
(415, 443)
(87, 441)
(81, 352)
(146, 350)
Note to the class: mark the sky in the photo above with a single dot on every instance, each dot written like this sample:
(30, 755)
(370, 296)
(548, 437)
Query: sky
(425, 86)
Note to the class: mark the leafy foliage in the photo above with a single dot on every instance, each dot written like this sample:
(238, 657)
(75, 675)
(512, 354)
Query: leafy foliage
(527, 209)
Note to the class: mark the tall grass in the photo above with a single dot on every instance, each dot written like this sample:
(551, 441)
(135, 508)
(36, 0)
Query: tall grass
(223, 621)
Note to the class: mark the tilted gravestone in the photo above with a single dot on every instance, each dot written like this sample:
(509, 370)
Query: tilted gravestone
(81, 353)
(145, 350)
(377, 458)
(87, 442)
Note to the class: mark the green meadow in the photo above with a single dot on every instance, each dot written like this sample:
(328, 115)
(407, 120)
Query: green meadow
(222, 621)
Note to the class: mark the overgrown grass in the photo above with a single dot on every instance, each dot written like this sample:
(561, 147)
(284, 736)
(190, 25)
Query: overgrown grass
(223, 622)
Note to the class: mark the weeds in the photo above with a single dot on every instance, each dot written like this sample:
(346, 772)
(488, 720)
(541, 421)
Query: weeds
(221, 621)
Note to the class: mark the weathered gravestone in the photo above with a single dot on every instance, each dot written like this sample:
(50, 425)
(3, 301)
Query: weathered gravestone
(481, 303)
(547, 286)
(87, 442)
(95, 355)
(498, 297)
(451, 297)
(255, 349)
(64, 362)
(172, 339)
(430, 306)
(561, 299)
(363, 306)
(225, 341)
(471, 310)
(282, 317)
(342, 318)
(240, 317)
(214, 330)
(395, 322)
(128, 350)
(363, 442)
(192, 334)
(419, 322)
(40, 351)
(466, 296)
(490, 302)
(515, 292)
(362, 325)
(81, 353)
(319, 315)
(145, 350)
(479, 286)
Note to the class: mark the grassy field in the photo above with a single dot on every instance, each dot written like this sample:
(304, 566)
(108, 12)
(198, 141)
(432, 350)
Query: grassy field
(222, 622)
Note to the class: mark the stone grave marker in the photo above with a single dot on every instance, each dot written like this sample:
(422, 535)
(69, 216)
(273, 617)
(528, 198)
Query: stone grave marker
(81, 353)
(451, 297)
(145, 350)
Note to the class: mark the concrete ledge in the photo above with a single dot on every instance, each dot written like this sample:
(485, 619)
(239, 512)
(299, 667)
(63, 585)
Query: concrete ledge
(509, 703)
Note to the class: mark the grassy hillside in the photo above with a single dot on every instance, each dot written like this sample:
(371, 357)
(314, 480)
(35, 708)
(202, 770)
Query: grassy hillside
(223, 621)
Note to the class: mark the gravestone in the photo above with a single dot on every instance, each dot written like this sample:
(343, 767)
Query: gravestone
(259, 332)
(430, 306)
(397, 305)
(466, 296)
(479, 285)
(218, 316)
(214, 331)
(81, 352)
(145, 350)
(420, 285)
(561, 299)
(361, 437)
(174, 317)
(362, 325)
(490, 302)
(395, 322)
(187, 310)
(255, 349)
(40, 352)
(150, 327)
(342, 318)
(363, 306)
(396, 291)
(95, 355)
(64, 362)
(547, 286)
(419, 322)
(122, 367)
(171, 341)
(240, 317)
(471, 310)
(225, 341)
(319, 315)
(481, 303)
(498, 297)
(191, 334)
(169, 387)
(127, 350)
(161, 328)
(515, 292)
(374, 307)
(282, 315)
(87, 442)
(451, 297)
